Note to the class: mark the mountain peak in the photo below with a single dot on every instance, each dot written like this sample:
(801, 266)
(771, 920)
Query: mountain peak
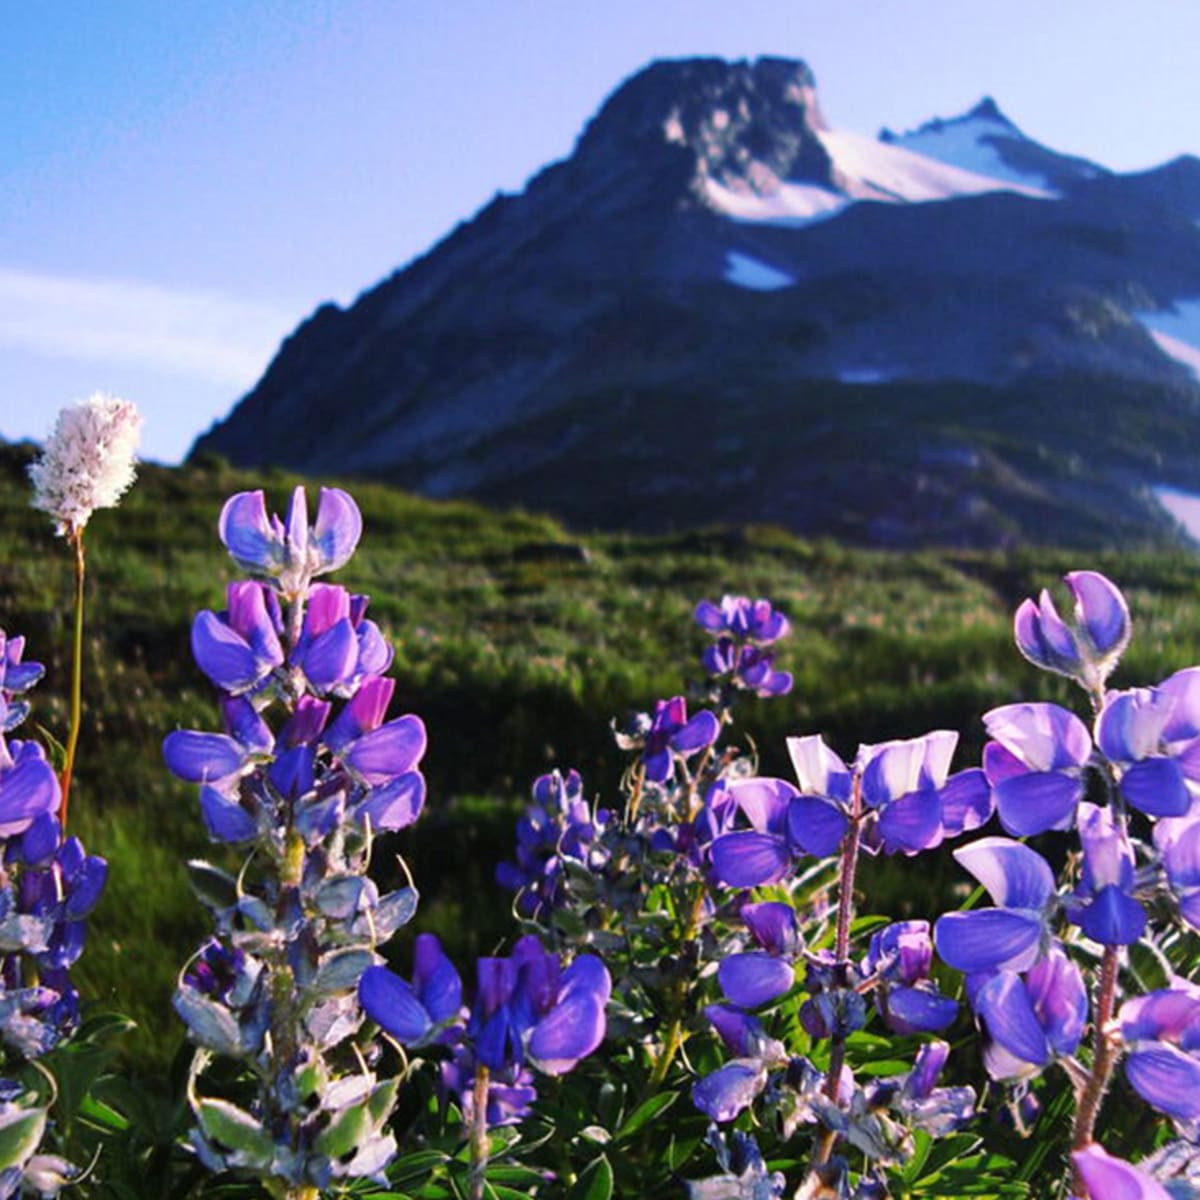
(988, 110)
(727, 117)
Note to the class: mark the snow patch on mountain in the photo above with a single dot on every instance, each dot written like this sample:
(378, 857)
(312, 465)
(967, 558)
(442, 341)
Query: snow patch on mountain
(873, 170)
(863, 169)
(754, 274)
(1183, 506)
(969, 143)
(1177, 332)
(778, 203)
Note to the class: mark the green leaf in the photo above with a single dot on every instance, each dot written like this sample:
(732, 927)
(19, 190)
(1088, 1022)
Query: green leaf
(646, 1112)
(56, 752)
(234, 1128)
(20, 1134)
(1150, 965)
(595, 1182)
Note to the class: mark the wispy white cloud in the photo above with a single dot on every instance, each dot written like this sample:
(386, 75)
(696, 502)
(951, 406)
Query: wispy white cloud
(204, 335)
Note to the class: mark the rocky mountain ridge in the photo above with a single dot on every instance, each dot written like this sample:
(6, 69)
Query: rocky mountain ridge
(721, 308)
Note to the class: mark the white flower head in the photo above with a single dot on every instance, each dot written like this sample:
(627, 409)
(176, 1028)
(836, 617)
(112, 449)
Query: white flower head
(88, 462)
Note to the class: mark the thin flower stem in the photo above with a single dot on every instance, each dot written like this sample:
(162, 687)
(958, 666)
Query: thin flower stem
(841, 952)
(479, 1135)
(76, 539)
(1103, 1060)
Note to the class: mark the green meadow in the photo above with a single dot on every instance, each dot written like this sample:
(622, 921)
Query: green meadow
(518, 642)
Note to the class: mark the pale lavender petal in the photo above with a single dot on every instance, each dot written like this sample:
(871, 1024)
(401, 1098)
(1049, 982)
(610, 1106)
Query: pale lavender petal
(1014, 875)
(1004, 1006)
(1167, 1078)
(1181, 856)
(754, 978)
(893, 769)
(296, 526)
(1035, 802)
(1182, 691)
(939, 750)
(1043, 736)
(764, 801)
(747, 859)
(1163, 1015)
(1130, 725)
(927, 1066)
(1109, 1178)
(244, 529)
(1101, 611)
(1107, 853)
(338, 528)
(819, 771)
(988, 939)
(1059, 997)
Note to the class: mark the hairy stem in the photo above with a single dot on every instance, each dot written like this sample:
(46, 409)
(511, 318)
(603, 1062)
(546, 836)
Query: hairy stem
(1103, 1060)
(479, 1135)
(841, 951)
(76, 540)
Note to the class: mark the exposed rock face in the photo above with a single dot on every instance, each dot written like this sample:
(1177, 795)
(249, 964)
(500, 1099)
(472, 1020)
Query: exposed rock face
(721, 308)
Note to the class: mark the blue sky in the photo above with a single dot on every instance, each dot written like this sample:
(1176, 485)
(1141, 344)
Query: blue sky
(181, 183)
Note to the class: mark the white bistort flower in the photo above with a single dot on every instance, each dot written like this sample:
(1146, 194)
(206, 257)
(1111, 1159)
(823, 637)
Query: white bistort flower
(88, 462)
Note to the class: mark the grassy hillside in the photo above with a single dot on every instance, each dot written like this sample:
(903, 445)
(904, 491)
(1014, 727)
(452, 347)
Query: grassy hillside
(517, 642)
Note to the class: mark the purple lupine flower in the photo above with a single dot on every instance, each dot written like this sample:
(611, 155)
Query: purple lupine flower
(1178, 843)
(240, 647)
(724, 1093)
(1102, 905)
(756, 976)
(669, 734)
(937, 1110)
(835, 1007)
(744, 1172)
(1089, 648)
(338, 648)
(1032, 1018)
(1161, 1031)
(559, 825)
(900, 957)
(1148, 736)
(743, 628)
(417, 1013)
(764, 852)
(289, 554)
(1012, 935)
(745, 619)
(510, 1097)
(29, 787)
(1035, 766)
(16, 678)
(1107, 1177)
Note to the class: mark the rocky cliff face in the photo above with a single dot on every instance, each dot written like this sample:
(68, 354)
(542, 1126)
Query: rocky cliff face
(721, 308)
